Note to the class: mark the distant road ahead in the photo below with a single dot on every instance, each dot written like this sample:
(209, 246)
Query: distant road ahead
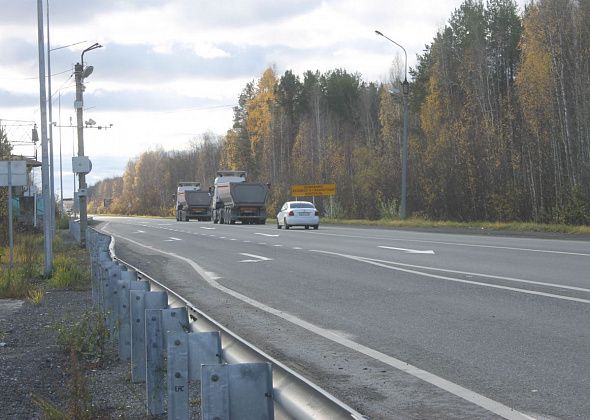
(397, 324)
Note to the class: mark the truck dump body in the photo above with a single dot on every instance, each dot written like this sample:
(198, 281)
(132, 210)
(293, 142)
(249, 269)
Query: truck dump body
(194, 205)
(242, 193)
(198, 198)
(240, 201)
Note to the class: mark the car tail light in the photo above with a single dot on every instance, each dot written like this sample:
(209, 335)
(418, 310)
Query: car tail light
(317, 213)
(291, 213)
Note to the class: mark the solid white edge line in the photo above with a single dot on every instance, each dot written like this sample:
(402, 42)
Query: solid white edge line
(455, 389)
(491, 276)
(435, 276)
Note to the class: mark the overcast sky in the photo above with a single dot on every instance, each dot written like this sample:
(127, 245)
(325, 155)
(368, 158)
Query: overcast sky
(170, 70)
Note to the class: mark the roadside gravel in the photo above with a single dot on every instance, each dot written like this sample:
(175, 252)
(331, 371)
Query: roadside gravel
(32, 364)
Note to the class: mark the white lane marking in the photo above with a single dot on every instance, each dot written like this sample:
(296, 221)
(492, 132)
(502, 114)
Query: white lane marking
(208, 228)
(296, 247)
(172, 239)
(453, 243)
(409, 251)
(451, 387)
(435, 276)
(140, 231)
(265, 234)
(233, 239)
(246, 242)
(258, 258)
(222, 237)
(278, 245)
(489, 276)
(261, 243)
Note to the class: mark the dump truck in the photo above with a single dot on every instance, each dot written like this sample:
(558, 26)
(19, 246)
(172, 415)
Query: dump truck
(192, 202)
(235, 199)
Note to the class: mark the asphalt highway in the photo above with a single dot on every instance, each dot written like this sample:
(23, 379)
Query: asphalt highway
(397, 324)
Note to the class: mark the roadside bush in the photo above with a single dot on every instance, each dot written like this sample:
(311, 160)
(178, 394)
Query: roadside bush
(388, 209)
(63, 222)
(85, 336)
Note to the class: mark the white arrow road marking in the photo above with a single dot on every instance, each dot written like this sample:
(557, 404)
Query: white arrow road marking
(172, 239)
(409, 251)
(266, 234)
(258, 257)
(208, 228)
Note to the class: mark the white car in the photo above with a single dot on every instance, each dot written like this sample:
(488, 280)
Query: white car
(298, 213)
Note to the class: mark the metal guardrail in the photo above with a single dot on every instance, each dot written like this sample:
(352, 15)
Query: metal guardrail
(293, 396)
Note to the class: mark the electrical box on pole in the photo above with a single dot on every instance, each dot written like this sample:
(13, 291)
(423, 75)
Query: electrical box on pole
(81, 164)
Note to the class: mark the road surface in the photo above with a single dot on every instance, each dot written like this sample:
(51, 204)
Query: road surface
(397, 324)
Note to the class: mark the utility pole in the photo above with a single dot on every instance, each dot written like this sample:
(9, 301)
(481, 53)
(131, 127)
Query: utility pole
(50, 139)
(79, 104)
(80, 74)
(45, 154)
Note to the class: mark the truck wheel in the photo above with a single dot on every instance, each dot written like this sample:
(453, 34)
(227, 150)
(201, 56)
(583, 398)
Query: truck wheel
(186, 217)
(215, 221)
(232, 222)
(316, 227)
(286, 225)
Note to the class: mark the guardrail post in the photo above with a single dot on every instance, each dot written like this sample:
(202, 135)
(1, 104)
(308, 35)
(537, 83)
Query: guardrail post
(204, 349)
(140, 300)
(178, 375)
(154, 354)
(241, 390)
(157, 324)
(127, 283)
(110, 285)
(103, 283)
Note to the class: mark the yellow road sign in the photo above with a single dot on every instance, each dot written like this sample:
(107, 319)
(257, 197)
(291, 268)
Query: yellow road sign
(313, 190)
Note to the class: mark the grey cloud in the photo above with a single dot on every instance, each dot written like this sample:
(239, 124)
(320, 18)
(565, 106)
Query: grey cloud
(202, 13)
(139, 62)
(66, 11)
(11, 99)
(144, 101)
(233, 14)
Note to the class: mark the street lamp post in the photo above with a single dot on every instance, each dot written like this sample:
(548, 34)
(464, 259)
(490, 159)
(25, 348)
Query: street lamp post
(81, 74)
(405, 92)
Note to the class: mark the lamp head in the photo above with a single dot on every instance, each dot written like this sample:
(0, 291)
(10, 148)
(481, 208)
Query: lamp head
(87, 71)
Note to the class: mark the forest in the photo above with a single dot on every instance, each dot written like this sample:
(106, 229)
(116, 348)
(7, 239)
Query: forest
(499, 128)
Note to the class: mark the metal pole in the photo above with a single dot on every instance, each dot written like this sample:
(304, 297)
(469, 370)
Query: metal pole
(10, 238)
(78, 69)
(402, 210)
(50, 104)
(45, 154)
(61, 180)
(406, 91)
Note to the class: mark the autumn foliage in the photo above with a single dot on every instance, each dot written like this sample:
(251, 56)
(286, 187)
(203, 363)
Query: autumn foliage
(499, 128)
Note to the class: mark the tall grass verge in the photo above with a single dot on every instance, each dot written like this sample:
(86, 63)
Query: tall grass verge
(68, 273)
(13, 284)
